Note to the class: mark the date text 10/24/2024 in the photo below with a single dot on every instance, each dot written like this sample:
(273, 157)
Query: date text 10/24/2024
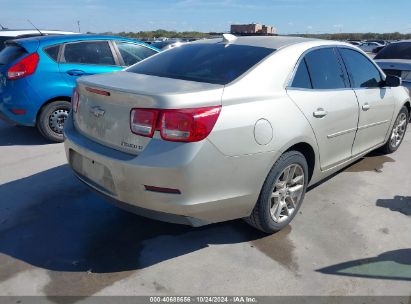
(203, 299)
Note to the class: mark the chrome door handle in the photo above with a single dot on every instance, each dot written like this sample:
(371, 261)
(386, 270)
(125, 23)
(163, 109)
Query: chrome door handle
(366, 107)
(320, 113)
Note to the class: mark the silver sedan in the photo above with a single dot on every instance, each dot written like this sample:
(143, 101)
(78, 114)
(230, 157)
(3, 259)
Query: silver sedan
(231, 128)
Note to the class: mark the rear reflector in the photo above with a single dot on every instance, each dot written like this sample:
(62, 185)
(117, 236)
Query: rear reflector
(97, 91)
(18, 111)
(182, 125)
(162, 190)
(24, 67)
(75, 100)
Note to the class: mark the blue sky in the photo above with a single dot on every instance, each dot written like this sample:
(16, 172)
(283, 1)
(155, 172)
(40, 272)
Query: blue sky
(288, 16)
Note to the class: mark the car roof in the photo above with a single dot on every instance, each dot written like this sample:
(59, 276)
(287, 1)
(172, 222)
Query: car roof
(15, 33)
(56, 39)
(272, 42)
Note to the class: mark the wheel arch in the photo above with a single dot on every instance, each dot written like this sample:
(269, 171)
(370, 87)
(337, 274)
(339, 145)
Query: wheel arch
(308, 151)
(58, 98)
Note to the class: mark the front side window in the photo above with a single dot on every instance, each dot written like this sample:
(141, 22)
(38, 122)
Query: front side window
(325, 69)
(133, 53)
(363, 73)
(93, 52)
(216, 63)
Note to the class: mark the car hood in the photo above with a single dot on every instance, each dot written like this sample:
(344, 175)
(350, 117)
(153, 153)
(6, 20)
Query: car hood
(395, 64)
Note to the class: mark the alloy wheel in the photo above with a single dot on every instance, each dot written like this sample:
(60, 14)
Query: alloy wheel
(398, 130)
(287, 193)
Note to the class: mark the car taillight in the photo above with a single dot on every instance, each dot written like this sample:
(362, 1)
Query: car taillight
(75, 100)
(183, 125)
(188, 125)
(143, 121)
(24, 67)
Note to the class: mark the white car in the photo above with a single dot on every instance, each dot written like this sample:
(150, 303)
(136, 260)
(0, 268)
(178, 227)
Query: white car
(13, 34)
(369, 46)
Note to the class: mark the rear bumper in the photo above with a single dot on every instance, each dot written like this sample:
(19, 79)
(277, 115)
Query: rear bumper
(18, 94)
(213, 187)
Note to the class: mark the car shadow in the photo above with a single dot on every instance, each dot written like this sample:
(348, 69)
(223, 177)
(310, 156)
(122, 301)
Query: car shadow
(391, 265)
(19, 135)
(399, 203)
(51, 220)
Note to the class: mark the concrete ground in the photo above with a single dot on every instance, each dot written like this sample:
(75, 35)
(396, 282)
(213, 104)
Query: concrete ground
(352, 236)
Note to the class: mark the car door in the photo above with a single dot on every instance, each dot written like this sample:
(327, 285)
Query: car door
(320, 88)
(87, 58)
(130, 53)
(376, 102)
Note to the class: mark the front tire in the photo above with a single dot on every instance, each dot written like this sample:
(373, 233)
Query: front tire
(282, 193)
(397, 132)
(51, 120)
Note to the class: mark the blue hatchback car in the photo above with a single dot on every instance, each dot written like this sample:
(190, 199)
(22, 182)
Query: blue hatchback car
(37, 75)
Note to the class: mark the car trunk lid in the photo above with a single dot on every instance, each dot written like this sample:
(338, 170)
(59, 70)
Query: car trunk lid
(106, 101)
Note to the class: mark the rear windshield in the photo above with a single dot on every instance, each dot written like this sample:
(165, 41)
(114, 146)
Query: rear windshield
(211, 63)
(400, 50)
(10, 53)
(2, 40)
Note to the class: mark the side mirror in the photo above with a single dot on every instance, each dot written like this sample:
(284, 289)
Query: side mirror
(392, 81)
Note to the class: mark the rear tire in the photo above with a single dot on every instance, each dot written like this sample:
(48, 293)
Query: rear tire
(51, 120)
(397, 132)
(282, 193)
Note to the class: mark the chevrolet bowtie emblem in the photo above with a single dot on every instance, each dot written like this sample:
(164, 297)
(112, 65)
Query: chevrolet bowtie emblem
(97, 111)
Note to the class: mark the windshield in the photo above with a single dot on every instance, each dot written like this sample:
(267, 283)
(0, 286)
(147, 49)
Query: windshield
(203, 62)
(400, 50)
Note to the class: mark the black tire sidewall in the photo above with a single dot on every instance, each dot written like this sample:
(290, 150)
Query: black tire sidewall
(288, 158)
(43, 120)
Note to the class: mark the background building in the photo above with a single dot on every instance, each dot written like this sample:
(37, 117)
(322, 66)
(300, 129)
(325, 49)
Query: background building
(253, 29)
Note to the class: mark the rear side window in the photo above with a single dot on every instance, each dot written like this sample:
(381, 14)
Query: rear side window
(10, 53)
(399, 50)
(325, 69)
(363, 73)
(216, 63)
(133, 53)
(90, 52)
(53, 52)
(302, 77)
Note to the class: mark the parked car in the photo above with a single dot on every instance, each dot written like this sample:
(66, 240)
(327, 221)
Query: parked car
(167, 44)
(395, 59)
(15, 34)
(235, 128)
(37, 75)
(369, 46)
(382, 42)
(353, 42)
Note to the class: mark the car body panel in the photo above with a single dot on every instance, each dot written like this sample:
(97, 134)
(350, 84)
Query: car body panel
(336, 131)
(376, 113)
